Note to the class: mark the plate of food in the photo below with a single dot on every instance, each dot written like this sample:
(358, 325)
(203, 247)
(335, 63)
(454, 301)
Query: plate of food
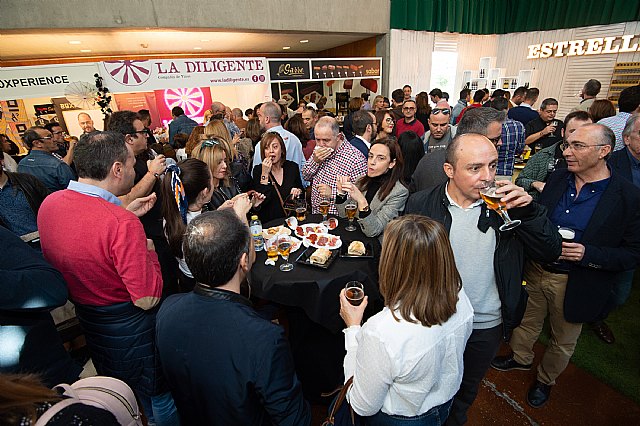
(310, 228)
(357, 250)
(292, 222)
(322, 240)
(275, 230)
(319, 258)
(332, 223)
(296, 243)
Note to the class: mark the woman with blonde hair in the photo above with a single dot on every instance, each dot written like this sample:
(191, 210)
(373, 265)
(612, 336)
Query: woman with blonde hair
(213, 151)
(237, 161)
(378, 103)
(406, 361)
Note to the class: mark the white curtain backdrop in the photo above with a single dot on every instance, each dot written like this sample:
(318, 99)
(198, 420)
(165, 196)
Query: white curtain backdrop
(410, 60)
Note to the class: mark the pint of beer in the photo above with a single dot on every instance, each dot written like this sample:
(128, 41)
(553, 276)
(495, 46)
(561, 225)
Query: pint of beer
(324, 207)
(354, 290)
(567, 234)
(351, 210)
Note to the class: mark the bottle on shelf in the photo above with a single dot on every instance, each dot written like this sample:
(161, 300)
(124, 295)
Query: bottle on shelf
(256, 233)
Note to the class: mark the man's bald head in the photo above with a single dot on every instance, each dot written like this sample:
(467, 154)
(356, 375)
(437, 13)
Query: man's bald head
(458, 142)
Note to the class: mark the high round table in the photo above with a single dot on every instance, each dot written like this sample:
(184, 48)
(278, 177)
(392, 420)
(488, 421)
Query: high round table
(314, 289)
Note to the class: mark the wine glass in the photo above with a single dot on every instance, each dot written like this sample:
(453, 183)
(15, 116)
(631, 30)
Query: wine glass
(351, 207)
(492, 200)
(284, 247)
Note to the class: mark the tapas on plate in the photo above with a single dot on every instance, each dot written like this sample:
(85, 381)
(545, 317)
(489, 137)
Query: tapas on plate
(310, 228)
(322, 240)
(275, 230)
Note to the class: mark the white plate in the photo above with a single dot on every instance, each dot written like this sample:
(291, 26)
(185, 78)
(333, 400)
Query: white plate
(308, 243)
(297, 243)
(279, 230)
(292, 222)
(317, 228)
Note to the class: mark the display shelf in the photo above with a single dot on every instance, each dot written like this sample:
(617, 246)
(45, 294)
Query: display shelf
(526, 78)
(625, 74)
(508, 83)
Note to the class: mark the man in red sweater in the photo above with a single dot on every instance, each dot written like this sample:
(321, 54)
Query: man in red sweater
(110, 267)
(409, 122)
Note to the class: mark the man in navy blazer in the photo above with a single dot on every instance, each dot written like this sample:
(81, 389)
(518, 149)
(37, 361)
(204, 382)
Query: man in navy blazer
(602, 211)
(364, 126)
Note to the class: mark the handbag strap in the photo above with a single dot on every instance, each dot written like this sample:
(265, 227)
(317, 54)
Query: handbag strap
(276, 186)
(339, 401)
(55, 409)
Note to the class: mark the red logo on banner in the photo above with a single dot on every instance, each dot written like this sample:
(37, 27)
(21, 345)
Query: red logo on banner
(129, 73)
(194, 101)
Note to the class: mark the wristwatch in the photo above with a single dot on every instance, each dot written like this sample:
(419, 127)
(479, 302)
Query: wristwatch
(365, 209)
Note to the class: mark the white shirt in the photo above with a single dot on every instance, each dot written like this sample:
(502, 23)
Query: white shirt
(366, 142)
(291, 143)
(10, 164)
(404, 368)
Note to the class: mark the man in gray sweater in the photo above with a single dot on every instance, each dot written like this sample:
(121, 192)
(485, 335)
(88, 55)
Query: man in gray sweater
(489, 260)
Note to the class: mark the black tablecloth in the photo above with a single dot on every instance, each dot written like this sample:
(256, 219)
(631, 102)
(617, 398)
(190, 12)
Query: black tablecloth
(316, 290)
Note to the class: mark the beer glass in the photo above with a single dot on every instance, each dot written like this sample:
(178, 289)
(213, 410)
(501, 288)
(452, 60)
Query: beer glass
(324, 206)
(351, 207)
(289, 206)
(492, 200)
(284, 247)
(301, 209)
(567, 234)
(354, 290)
(271, 247)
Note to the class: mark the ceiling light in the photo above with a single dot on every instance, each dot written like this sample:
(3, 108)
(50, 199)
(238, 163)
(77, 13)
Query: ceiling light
(75, 42)
(304, 41)
(85, 50)
(286, 47)
(197, 48)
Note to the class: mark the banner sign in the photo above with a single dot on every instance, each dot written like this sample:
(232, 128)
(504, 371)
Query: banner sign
(335, 69)
(591, 46)
(193, 100)
(155, 74)
(43, 81)
(285, 70)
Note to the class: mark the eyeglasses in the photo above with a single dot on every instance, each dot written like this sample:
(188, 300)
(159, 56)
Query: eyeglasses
(408, 108)
(142, 132)
(388, 120)
(578, 146)
(496, 140)
(45, 138)
(437, 111)
(58, 133)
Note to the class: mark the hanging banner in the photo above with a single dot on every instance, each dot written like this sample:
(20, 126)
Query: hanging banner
(194, 101)
(138, 101)
(154, 74)
(43, 81)
(287, 69)
(336, 69)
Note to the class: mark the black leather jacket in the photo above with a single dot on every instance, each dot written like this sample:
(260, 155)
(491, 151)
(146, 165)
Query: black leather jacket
(536, 238)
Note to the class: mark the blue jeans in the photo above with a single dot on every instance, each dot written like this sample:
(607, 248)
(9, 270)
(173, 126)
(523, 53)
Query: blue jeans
(434, 417)
(160, 409)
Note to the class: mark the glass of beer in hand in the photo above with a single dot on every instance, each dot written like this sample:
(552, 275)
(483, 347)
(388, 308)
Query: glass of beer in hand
(354, 290)
(351, 208)
(492, 200)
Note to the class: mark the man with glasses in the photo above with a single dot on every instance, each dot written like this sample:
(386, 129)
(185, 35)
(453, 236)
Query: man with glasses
(440, 132)
(54, 173)
(599, 212)
(409, 122)
(534, 175)
(544, 130)
(65, 149)
(483, 121)
(147, 182)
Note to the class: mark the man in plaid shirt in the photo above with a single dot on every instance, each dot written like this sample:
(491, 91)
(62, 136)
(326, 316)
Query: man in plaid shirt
(513, 137)
(332, 157)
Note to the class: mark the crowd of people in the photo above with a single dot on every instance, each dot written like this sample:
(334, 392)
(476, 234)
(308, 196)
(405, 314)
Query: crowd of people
(150, 241)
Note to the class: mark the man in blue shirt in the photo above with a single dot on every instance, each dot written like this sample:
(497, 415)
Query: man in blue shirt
(524, 112)
(55, 174)
(180, 124)
(224, 363)
(600, 208)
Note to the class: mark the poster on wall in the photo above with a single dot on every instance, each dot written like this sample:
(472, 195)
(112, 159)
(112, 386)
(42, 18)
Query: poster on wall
(155, 74)
(346, 68)
(68, 115)
(289, 92)
(45, 113)
(311, 91)
(14, 121)
(194, 101)
(138, 101)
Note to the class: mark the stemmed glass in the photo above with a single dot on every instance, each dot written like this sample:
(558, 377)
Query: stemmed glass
(324, 206)
(284, 247)
(492, 200)
(351, 207)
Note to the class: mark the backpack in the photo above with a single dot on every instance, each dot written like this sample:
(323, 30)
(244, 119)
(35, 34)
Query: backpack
(103, 392)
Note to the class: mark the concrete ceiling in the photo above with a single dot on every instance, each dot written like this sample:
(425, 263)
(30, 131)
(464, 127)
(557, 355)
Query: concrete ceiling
(42, 46)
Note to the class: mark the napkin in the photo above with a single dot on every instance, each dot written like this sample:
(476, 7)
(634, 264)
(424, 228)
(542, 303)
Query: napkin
(270, 262)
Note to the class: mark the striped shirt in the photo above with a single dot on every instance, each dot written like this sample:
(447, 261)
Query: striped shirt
(616, 124)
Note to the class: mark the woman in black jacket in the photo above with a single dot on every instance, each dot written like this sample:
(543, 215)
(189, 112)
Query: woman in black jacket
(276, 177)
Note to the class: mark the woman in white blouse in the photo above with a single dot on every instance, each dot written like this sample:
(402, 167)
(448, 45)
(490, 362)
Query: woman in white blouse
(406, 361)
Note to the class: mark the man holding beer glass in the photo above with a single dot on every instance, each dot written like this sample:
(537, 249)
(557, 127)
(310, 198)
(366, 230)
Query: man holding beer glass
(490, 261)
(596, 212)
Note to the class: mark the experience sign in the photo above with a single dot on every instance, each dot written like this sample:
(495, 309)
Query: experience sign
(590, 46)
(155, 74)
